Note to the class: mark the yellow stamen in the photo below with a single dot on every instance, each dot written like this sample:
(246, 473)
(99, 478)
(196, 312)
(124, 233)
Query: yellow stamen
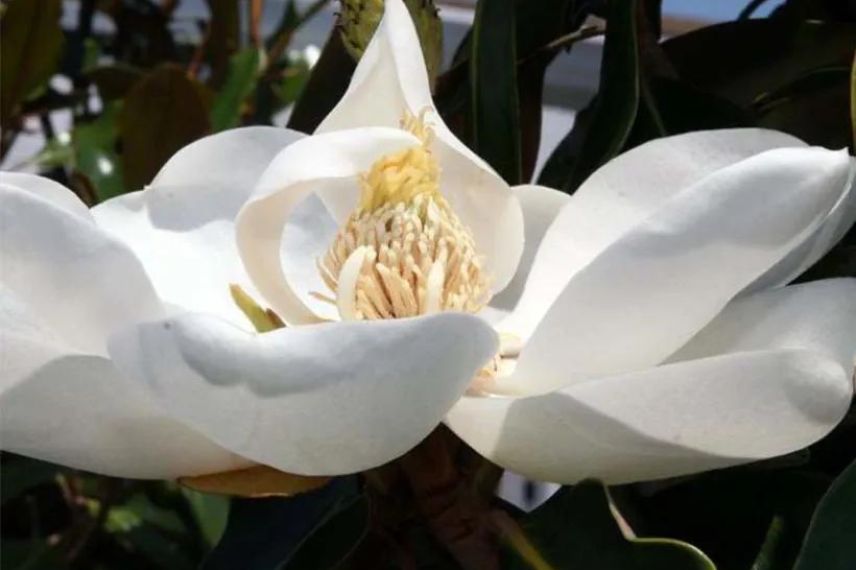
(404, 252)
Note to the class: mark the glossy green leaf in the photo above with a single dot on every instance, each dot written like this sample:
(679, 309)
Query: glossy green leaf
(495, 119)
(576, 529)
(240, 82)
(782, 63)
(603, 133)
(744, 500)
(262, 534)
(30, 41)
(327, 83)
(162, 113)
(830, 544)
(210, 512)
(95, 153)
(328, 546)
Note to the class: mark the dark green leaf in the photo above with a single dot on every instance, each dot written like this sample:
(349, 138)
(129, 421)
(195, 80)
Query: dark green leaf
(224, 37)
(95, 153)
(327, 83)
(332, 542)
(576, 529)
(162, 113)
(22, 473)
(114, 81)
(31, 555)
(210, 512)
(240, 82)
(30, 41)
(604, 132)
(261, 534)
(495, 119)
(829, 543)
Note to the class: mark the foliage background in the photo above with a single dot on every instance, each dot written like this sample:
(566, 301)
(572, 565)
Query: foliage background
(141, 91)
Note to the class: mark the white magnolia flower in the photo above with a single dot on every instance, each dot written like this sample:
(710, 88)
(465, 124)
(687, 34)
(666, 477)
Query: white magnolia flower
(645, 328)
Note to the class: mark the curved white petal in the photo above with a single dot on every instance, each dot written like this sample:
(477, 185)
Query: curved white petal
(320, 163)
(79, 280)
(671, 420)
(182, 226)
(620, 195)
(834, 227)
(651, 290)
(315, 400)
(53, 192)
(819, 316)
(77, 410)
(390, 80)
(307, 237)
(540, 207)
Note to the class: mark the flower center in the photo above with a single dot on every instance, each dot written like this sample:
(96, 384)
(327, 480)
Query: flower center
(404, 252)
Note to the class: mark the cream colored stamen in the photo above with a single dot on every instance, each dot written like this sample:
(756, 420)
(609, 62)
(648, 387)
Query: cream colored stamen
(404, 252)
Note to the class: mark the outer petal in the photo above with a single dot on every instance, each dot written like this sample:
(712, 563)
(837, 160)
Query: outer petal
(819, 316)
(835, 226)
(321, 163)
(53, 192)
(315, 400)
(671, 420)
(72, 275)
(623, 193)
(650, 291)
(390, 80)
(182, 225)
(540, 207)
(77, 410)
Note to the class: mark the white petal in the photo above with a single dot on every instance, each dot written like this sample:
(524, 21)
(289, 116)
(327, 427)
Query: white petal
(77, 410)
(819, 316)
(307, 237)
(53, 192)
(390, 80)
(667, 421)
(75, 277)
(321, 163)
(182, 225)
(651, 290)
(314, 400)
(620, 195)
(540, 207)
(830, 232)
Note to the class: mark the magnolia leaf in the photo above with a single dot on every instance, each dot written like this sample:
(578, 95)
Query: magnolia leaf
(576, 528)
(114, 81)
(829, 543)
(30, 41)
(327, 83)
(255, 481)
(333, 541)
(495, 120)
(240, 82)
(262, 534)
(95, 153)
(611, 116)
(163, 112)
(210, 512)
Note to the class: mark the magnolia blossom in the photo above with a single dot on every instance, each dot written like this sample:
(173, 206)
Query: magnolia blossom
(638, 329)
